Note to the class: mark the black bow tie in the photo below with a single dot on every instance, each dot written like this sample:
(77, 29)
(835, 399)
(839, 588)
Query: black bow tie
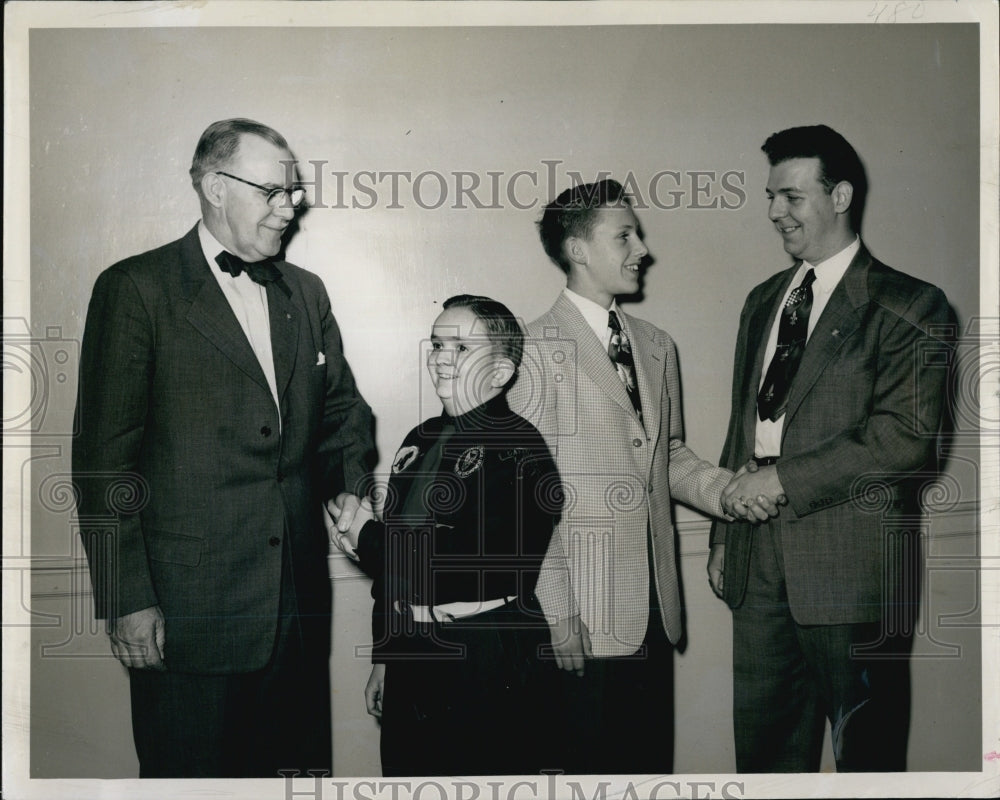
(262, 272)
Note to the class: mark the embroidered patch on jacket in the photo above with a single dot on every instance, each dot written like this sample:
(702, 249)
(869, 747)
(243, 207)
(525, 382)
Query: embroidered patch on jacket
(513, 452)
(469, 461)
(404, 458)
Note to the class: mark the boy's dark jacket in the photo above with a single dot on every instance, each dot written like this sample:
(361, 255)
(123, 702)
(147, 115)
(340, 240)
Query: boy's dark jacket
(482, 528)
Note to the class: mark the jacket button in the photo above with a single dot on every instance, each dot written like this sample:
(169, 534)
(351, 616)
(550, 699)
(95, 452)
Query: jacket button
(265, 431)
(649, 487)
(637, 442)
(280, 477)
(274, 541)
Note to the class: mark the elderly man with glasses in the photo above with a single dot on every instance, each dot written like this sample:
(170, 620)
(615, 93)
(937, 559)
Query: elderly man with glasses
(216, 414)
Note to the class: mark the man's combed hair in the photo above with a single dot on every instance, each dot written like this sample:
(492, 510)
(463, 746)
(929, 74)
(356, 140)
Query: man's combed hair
(574, 213)
(838, 160)
(220, 141)
(501, 325)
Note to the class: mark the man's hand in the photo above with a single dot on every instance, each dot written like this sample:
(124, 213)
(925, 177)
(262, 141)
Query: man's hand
(138, 639)
(374, 690)
(344, 516)
(343, 508)
(716, 563)
(571, 644)
(754, 493)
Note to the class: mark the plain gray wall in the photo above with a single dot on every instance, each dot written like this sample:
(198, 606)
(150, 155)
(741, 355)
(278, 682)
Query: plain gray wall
(115, 115)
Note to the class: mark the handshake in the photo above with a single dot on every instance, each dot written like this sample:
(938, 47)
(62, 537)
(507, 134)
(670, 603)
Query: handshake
(754, 494)
(344, 517)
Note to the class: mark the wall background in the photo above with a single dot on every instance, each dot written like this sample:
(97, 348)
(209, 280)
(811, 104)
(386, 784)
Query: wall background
(115, 115)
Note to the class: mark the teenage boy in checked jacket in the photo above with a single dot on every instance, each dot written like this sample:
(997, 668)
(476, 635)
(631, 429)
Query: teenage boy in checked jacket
(471, 503)
(603, 388)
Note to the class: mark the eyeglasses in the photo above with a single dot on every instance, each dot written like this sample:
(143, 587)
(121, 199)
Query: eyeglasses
(275, 197)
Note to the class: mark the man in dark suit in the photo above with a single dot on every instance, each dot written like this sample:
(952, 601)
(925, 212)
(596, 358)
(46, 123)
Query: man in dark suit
(836, 405)
(216, 414)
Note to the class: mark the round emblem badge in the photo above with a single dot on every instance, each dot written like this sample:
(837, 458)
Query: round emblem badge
(469, 461)
(404, 458)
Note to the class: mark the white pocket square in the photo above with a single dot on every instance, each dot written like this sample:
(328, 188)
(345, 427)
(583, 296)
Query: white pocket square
(320, 358)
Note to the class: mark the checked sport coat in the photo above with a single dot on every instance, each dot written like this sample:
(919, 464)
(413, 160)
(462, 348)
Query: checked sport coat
(619, 475)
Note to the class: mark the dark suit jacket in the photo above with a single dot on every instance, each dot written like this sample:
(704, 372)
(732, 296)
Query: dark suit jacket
(187, 490)
(859, 435)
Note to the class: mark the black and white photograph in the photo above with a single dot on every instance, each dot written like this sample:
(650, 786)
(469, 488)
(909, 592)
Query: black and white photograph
(501, 400)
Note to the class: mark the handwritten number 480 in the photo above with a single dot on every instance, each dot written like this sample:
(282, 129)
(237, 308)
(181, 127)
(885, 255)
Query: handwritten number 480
(891, 12)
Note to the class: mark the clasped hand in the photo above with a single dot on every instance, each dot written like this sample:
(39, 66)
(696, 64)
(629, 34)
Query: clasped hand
(754, 493)
(344, 517)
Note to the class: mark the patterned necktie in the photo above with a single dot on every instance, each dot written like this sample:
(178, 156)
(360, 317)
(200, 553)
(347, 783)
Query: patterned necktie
(620, 353)
(793, 330)
(262, 272)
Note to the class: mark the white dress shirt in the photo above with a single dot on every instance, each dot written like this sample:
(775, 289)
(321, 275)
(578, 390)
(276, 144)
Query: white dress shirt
(596, 316)
(249, 303)
(828, 274)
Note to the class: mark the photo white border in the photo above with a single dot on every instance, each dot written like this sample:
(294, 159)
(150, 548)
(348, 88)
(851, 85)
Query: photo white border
(21, 16)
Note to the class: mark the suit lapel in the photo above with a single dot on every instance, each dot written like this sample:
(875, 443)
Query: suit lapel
(210, 312)
(592, 358)
(650, 358)
(285, 317)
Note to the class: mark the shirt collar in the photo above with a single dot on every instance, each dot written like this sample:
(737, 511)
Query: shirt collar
(595, 315)
(830, 271)
(210, 246)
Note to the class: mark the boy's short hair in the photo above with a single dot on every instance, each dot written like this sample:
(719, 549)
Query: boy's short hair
(574, 213)
(838, 160)
(502, 328)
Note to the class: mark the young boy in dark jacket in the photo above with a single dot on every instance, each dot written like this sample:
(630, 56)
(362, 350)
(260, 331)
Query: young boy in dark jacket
(470, 506)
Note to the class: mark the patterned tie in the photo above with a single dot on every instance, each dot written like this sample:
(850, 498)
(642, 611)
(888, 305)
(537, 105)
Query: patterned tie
(620, 353)
(262, 272)
(793, 329)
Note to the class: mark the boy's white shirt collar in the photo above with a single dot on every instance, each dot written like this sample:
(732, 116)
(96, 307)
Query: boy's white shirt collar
(595, 315)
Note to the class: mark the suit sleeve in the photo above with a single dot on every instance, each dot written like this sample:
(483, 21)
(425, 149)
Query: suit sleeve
(371, 558)
(539, 500)
(899, 434)
(730, 458)
(373, 549)
(693, 481)
(347, 446)
(534, 398)
(116, 368)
